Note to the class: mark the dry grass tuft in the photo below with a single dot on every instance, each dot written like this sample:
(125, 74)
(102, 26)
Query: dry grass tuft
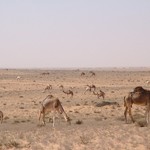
(79, 122)
(141, 124)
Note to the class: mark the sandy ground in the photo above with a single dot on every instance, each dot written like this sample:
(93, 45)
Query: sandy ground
(93, 127)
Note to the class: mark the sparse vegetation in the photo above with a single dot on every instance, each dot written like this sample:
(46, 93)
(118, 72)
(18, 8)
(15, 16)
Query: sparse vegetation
(79, 122)
(93, 120)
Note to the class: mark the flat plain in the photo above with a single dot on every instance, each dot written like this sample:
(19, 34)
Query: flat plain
(96, 124)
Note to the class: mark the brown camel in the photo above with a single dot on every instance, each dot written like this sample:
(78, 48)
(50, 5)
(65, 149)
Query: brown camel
(93, 87)
(52, 104)
(139, 96)
(100, 94)
(68, 92)
(92, 73)
(82, 74)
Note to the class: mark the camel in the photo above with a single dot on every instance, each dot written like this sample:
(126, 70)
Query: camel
(93, 87)
(92, 73)
(82, 74)
(52, 104)
(100, 94)
(147, 82)
(68, 92)
(139, 96)
(89, 88)
(18, 78)
(1, 116)
(48, 87)
(61, 86)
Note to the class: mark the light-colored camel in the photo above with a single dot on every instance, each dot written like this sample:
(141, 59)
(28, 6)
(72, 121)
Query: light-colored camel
(139, 96)
(1, 116)
(18, 78)
(61, 86)
(89, 88)
(147, 82)
(52, 104)
(48, 87)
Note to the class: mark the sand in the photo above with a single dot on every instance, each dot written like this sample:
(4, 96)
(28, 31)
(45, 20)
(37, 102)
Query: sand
(93, 126)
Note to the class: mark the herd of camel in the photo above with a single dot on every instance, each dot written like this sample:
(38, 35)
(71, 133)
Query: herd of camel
(139, 96)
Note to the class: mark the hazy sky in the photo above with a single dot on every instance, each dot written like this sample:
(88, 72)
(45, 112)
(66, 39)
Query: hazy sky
(74, 33)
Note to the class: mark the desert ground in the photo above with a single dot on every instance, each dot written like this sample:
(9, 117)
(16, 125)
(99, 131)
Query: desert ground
(96, 124)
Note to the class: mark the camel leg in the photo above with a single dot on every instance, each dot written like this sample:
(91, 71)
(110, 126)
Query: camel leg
(43, 117)
(53, 121)
(125, 113)
(147, 114)
(147, 117)
(40, 115)
(130, 114)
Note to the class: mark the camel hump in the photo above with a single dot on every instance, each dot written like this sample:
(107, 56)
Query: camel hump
(139, 89)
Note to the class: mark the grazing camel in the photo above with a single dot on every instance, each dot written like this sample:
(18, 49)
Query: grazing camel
(89, 88)
(48, 87)
(61, 86)
(82, 74)
(139, 96)
(52, 104)
(100, 94)
(93, 87)
(68, 92)
(92, 73)
(1, 116)
(147, 82)
(18, 77)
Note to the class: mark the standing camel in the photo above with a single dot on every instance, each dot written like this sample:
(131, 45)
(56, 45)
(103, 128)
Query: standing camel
(48, 87)
(52, 104)
(89, 88)
(100, 94)
(92, 73)
(82, 74)
(68, 92)
(139, 96)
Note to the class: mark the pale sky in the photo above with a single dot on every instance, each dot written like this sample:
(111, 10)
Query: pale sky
(74, 33)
